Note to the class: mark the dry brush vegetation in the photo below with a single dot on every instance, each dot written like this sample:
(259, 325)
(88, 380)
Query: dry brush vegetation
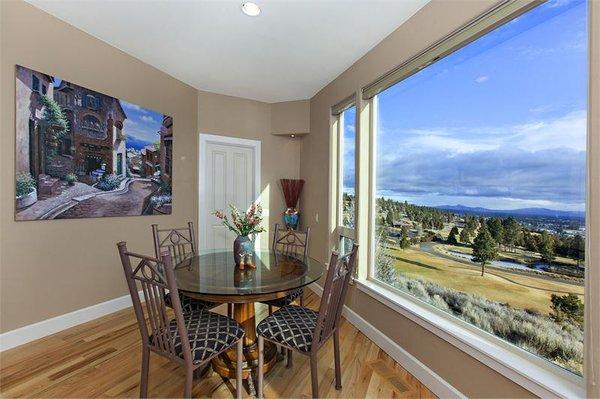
(559, 342)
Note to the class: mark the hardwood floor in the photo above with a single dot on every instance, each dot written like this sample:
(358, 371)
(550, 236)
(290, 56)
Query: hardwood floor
(102, 358)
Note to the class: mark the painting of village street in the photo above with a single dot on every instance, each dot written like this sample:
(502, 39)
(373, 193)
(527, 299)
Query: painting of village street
(83, 154)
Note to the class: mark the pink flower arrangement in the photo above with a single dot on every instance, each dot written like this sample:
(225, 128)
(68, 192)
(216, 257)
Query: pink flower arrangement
(243, 224)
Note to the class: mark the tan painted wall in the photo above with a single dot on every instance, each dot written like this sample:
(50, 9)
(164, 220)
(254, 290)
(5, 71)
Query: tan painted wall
(48, 268)
(290, 117)
(430, 24)
(237, 117)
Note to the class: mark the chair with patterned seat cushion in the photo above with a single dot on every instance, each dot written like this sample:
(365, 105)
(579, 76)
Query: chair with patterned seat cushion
(306, 331)
(180, 243)
(191, 339)
(208, 333)
(291, 326)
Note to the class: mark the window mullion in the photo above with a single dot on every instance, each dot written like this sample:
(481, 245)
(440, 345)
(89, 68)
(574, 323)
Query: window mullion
(340, 170)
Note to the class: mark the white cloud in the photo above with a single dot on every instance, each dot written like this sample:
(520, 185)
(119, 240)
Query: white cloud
(146, 118)
(482, 79)
(538, 163)
(433, 140)
(566, 132)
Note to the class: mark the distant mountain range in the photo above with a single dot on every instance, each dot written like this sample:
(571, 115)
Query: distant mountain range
(523, 212)
(134, 142)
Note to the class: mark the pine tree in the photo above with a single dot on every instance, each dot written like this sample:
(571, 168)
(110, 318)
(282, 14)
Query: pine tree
(546, 247)
(452, 237)
(465, 236)
(578, 248)
(567, 308)
(495, 228)
(404, 240)
(511, 231)
(530, 242)
(389, 218)
(485, 249)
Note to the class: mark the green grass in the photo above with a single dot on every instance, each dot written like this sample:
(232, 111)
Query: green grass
(520, 291)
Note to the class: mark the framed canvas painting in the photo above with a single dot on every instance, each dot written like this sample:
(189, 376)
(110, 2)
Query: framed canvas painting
(83, 154)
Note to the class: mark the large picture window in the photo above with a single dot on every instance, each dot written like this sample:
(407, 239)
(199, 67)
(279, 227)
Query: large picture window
(479, 183)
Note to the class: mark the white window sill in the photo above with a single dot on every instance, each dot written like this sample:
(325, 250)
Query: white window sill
(534, 374)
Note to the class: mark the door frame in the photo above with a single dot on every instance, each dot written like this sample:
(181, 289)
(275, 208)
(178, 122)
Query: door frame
(204, 139)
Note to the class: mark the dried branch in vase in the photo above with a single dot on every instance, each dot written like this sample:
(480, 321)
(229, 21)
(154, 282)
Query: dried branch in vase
(291, 191)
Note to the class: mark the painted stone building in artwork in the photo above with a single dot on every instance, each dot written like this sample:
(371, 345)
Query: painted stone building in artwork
(166, 149)
(30, 86)
(150, 161)
(95, 142)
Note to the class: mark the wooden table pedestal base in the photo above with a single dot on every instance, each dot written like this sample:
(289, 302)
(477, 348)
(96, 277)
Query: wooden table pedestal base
(225, 364)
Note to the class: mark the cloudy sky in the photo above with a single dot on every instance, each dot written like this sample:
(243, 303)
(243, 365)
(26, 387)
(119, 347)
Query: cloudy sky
(500, 124)
(141, 123)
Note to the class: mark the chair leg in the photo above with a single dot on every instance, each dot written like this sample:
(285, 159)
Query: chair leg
(338, 366)
(145, 371)
(302, 300)
(189, 380)
(314, 376)
(270, 310)
(230, 309)
(289, 359)
(238, 370)
(261, 355)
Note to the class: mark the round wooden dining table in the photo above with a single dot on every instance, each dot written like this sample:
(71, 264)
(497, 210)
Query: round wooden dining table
(211, 275)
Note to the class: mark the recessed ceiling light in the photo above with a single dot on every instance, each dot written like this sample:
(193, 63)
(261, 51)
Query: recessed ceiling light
(251, 9)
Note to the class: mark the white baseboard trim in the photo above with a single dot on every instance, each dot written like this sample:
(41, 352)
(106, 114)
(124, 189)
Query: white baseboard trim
(23, 335)
(436, 384)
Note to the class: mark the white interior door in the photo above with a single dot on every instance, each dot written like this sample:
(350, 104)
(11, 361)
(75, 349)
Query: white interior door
(229, 173)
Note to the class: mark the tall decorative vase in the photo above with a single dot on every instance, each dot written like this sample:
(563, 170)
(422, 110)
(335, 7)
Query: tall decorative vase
(291, 192)
(291, 217)
(243, 247)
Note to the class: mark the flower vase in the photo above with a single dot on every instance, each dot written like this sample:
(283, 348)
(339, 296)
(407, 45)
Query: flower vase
(243, 247)
(291, 217)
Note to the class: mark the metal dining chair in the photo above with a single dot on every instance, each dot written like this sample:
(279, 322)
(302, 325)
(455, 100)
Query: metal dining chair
(179, 242)
(306, 331)
(289, 243)
(191, 339)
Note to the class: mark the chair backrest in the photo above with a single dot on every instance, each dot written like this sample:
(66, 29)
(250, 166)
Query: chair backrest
(332, 301)
(178, 242)
(155, 277)
(291, 242)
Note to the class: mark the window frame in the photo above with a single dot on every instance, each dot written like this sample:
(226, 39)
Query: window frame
(524, 368)
(337, 128)
(92, 102)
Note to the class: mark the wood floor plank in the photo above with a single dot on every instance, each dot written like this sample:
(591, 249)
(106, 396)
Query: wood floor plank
(102, 359)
